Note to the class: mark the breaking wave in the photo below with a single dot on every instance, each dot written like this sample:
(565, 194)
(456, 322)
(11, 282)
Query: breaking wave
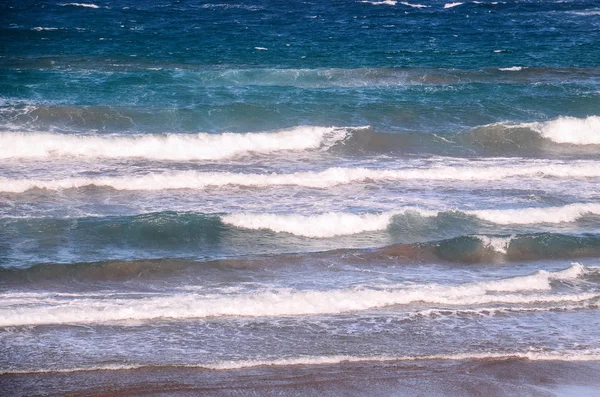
(312, 179)
(200, 146)
(85, 5)
(341, 224)
(534, 136)
(43, 308)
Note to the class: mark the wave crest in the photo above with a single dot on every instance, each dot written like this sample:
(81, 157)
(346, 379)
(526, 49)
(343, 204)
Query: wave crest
(343, 224)
(200, 146)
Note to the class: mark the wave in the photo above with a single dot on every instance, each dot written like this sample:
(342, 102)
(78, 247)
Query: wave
(530, 136)
(177, 74)
(570, 130)
(42, 308)
(496, 249)
(85, 5)
(198, 235)
(311, 179)
(343, 224)
(200, 146)
(511, 69)
(467, 249)
(451, 236)
(557, 355)
(563, 135)
(568, 135)
(414, 5)
(452, 5)
(40, 29)
(386, 2)
(317, 226)
(526, 216)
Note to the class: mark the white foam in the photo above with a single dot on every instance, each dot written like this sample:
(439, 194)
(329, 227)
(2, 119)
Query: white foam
(322, 179)
(570, 130)
(493, 311)
(579, 355)
(533, 289)
(342, 223)
(585, 12)
(414, 5)
(498, 244)
(87, 5)
(261, 48)
(320, 226)
(200, 146)
(384, 2)
(525, 216)
(559, 355)
(451, 5)
(511, 69)
(39, 28)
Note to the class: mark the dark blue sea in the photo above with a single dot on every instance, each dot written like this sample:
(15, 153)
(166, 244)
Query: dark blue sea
(333, 197)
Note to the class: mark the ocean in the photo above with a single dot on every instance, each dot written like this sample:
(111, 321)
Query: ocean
(286, 197)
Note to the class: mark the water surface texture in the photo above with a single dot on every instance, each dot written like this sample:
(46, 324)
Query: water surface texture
(306, 185)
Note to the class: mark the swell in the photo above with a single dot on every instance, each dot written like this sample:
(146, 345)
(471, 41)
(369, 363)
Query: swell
(563, 135)
(467, 249)
(312, 179)
(165, 73)
(531, 290)
(193, 234)
(498, 249)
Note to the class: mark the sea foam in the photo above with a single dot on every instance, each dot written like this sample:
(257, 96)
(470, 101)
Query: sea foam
(413, 5)
(571, 130)
(451, 5)
(200, 146)
(86, 5)
(319, 226)
(562, 355)
(511, 69)
(524, 216)
(384, 2)
(533, 289)
(311, 179)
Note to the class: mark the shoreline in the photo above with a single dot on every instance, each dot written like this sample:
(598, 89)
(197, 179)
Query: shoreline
(474, 377)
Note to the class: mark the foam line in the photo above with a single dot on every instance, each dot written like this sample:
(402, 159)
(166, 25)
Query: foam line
(200, 146)
(451, 5)
(533, 289)
(86, 5)
(525, 216)
(321, 180)
(566, 355)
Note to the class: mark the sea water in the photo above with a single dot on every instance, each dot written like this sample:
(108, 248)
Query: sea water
(226, 185)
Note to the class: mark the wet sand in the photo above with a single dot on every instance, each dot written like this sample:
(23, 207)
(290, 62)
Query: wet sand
(489, 378)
